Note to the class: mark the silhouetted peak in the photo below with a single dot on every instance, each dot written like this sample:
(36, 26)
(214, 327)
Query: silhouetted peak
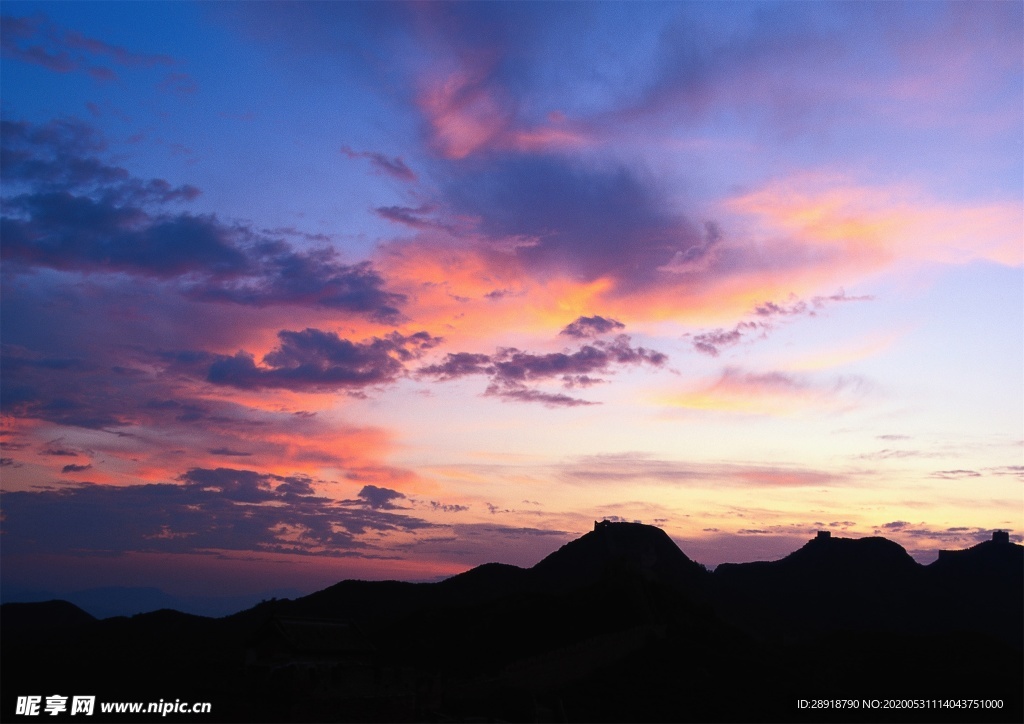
(825, 557)
(45, 614)
(483, 583)
(874, 553)
(486, 573)
(485, 570)
(615, 546)
(996, 556)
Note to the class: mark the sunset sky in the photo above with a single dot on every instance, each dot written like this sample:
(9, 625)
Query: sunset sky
(299, 292)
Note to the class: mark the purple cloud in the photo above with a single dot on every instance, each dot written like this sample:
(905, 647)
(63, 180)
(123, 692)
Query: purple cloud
(380, 498)
(587, 223)
(459, 364)
(318, 360)
(393, 166)
(712, 342)
(414, 217)
(80, 214)
(591, 327)
(218, 509)
(512, 371)
(227, 452)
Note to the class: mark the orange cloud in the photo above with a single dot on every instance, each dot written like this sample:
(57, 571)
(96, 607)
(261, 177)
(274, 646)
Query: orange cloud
(804, 236)
(771, 393)
(875, 226)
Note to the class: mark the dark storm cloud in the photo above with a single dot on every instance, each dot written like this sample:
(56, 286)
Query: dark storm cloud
(591, 327)
(316, 360)
(75, 468)
(587, 223)
(220, 509)
(66, 209)
(511, 371)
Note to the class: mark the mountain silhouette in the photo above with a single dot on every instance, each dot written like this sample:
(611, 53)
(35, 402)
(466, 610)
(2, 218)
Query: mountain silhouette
(828, 584)
(614, 547)
(618, 625)
(43, 615)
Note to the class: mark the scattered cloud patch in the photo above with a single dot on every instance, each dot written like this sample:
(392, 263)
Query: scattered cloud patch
(775, 393)
(711, 343)
(955, 474)
(767, 315)
(594, 326)
(393, 166)
(66, 209)
(514, 373)
(35, 39)
(208, 510)
(448, 507)
(380, 498)
(316, 360)
(227, 452)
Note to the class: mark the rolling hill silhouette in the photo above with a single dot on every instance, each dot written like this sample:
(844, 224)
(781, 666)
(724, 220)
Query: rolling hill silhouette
(618, 625)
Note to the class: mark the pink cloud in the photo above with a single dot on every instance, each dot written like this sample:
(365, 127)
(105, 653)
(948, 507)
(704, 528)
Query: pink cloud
(467, 113)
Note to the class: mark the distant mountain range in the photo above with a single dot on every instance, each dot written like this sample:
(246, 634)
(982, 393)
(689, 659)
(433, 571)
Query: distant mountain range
(110, 601)
(618, 625)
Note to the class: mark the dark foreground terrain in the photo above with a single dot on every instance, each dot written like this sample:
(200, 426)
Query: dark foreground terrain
(618, 625)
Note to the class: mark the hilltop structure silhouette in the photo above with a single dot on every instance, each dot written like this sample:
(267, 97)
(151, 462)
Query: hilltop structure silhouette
(618, 625)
